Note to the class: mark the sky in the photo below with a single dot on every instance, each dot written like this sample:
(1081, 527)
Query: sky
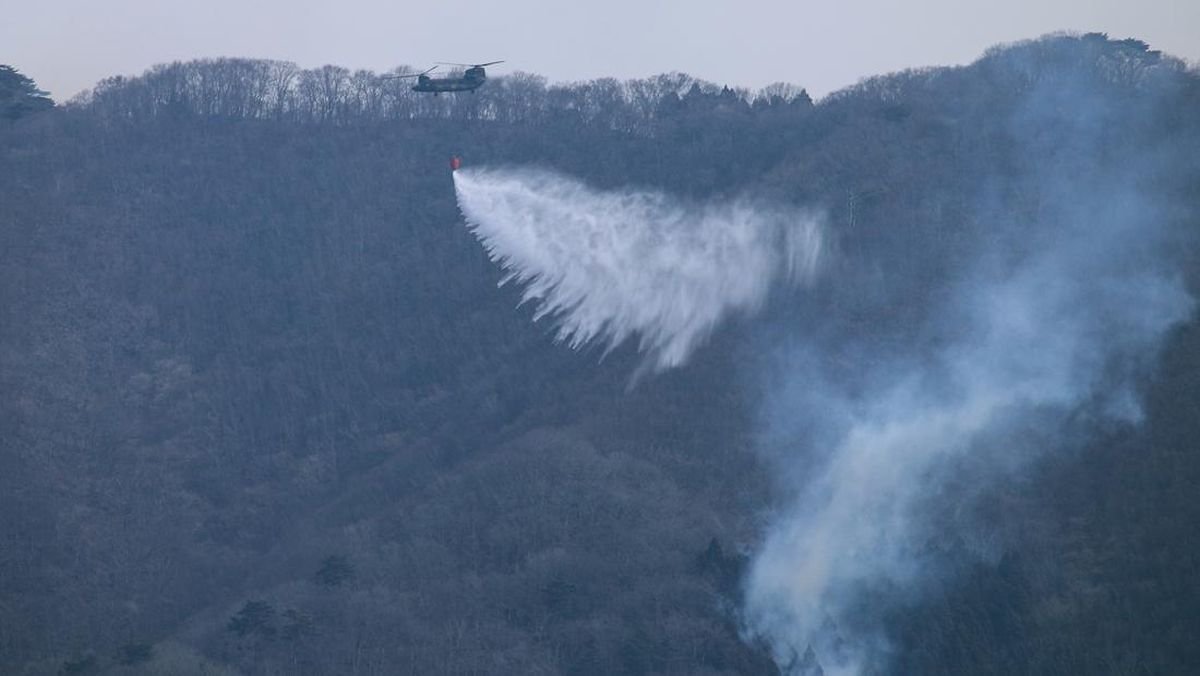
(69, 45)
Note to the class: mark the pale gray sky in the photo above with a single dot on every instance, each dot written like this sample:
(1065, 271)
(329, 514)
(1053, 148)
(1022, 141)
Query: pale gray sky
(67, 45)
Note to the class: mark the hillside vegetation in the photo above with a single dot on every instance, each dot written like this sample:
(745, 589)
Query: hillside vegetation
(265, 410)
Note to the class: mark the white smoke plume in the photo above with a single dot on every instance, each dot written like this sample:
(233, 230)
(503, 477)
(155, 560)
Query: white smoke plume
(1040, 322)
(1040, 340)
(609, 265)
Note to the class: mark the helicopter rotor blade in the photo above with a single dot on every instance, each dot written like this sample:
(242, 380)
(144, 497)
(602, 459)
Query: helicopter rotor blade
(470, 65)
(408, 75)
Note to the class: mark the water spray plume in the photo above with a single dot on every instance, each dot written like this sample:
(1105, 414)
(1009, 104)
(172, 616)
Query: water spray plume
(610, 265)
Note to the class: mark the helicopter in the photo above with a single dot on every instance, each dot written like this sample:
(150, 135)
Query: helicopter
(472, 78)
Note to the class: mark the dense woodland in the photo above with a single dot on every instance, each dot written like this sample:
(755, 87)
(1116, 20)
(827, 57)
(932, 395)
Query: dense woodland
(265, 410)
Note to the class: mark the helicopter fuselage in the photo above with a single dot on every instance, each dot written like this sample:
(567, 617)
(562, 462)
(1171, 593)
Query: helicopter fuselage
(471, 80)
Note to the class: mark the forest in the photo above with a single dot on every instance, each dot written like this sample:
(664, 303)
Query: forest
(266, 409)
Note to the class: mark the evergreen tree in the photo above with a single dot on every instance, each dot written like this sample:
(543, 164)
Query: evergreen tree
(19, 95)
(255, 618)
(334, 571)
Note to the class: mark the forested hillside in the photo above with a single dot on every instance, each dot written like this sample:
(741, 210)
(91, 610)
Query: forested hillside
(265, 410)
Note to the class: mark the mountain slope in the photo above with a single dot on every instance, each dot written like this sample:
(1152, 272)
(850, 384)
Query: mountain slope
(244, 338)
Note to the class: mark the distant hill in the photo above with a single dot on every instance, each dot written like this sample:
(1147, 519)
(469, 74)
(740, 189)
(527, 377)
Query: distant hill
(265, 409)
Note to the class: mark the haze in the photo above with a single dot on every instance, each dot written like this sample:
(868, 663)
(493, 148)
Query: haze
(68, 46)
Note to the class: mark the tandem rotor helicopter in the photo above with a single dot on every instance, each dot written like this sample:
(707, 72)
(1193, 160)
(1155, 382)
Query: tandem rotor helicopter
(472, 78)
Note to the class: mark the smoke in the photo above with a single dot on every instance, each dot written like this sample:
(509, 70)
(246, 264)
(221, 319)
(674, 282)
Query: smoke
(607, 266)
(1046, 318)
(1060, 331)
